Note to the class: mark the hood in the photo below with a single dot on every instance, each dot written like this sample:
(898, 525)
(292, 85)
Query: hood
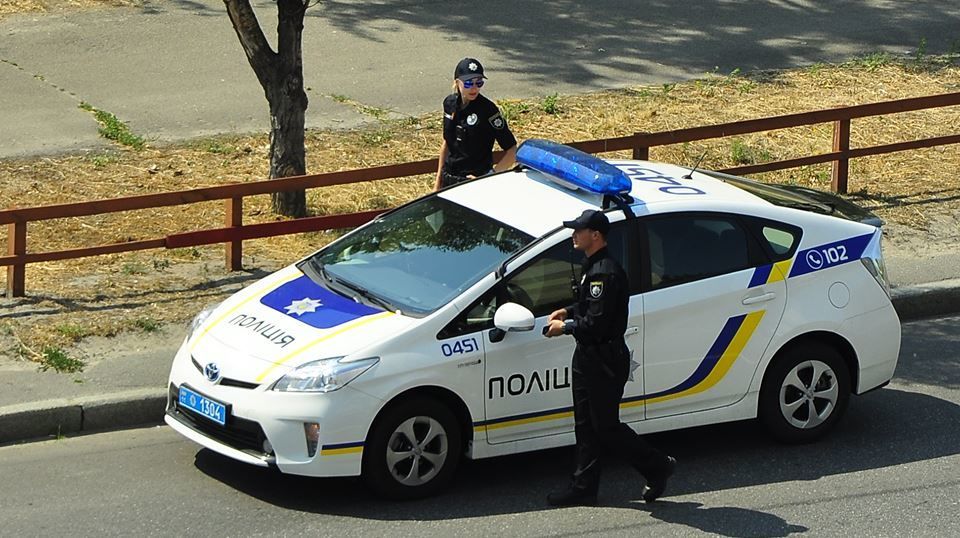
(284, 321)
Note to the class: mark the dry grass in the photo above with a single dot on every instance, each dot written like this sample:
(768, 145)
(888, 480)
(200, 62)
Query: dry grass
(108, 294)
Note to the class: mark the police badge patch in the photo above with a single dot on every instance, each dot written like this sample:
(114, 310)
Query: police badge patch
(497, 121)
(596, 289)
(472, 119)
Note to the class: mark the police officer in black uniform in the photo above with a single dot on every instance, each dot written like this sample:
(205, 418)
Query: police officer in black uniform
(471, 123)
(601, 366)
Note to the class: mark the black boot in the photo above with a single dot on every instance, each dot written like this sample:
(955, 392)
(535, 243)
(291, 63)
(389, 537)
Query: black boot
(657, 480)
(573, 496)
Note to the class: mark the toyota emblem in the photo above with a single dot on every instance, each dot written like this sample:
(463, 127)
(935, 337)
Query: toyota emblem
(212, 372)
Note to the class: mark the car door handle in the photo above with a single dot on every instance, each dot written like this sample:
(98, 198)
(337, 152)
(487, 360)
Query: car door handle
(760, 298)
(631, 331)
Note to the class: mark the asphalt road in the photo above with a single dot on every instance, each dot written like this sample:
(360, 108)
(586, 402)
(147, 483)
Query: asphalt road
(174, 69)
(892, 469)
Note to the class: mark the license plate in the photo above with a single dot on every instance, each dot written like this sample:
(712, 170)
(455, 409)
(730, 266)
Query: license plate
(210, 409)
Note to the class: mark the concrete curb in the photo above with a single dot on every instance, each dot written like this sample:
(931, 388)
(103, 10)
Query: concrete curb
(927, 300)
(140, 407)
(114, 411)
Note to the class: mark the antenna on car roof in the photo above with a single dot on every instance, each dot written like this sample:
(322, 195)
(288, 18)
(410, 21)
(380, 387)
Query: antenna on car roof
(689, 174)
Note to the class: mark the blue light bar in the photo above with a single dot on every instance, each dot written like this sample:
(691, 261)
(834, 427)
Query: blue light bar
(572, 166)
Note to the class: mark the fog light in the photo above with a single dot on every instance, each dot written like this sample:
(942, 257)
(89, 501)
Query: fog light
(267, 447)
(312, 432)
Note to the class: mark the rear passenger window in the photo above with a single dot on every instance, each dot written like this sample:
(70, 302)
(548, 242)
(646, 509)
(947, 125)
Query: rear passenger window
(685, 248)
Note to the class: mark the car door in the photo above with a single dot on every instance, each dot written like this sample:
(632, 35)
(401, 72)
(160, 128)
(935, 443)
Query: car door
(713, 300)
(527, 377)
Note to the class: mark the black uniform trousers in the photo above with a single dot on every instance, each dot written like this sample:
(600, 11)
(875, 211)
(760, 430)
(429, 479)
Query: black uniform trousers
(599, 375)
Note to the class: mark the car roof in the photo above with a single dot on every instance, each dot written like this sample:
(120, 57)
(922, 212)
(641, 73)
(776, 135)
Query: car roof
(535, 203)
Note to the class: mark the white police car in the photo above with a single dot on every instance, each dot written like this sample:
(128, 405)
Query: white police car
(416, 340)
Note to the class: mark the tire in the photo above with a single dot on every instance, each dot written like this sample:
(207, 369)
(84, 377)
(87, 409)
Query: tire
(400, 468)
(804, 393)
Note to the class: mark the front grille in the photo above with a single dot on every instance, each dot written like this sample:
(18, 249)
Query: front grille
(238, 433)
(226, 381)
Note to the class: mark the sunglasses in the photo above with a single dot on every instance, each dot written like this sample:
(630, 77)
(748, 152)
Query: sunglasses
(478, 82)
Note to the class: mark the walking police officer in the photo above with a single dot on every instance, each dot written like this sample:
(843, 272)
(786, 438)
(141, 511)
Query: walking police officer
(601, 366)
(471, 123)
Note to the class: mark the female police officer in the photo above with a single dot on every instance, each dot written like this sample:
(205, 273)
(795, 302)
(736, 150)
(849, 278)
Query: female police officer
(471, 123)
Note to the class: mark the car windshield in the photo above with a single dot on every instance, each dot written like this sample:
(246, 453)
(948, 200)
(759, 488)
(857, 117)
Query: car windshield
(418, 258)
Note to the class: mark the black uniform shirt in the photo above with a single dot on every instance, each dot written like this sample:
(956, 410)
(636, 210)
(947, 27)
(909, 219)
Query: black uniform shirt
(600, 313)
(470, 133)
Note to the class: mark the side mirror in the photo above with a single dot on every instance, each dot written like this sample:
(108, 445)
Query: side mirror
(512, 317)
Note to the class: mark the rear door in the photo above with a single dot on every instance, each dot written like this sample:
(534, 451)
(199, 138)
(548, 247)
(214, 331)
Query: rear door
(714, 299)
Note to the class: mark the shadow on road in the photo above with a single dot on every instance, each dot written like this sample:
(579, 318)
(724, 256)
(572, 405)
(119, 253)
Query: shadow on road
(930, 357)
(634, 37)
(723, 521)
(881, 429)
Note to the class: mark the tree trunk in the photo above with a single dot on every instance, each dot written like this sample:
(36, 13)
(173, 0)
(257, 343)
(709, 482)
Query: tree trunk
(281, 76)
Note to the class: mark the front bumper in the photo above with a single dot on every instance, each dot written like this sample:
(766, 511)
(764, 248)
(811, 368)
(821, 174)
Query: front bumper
(266, 428)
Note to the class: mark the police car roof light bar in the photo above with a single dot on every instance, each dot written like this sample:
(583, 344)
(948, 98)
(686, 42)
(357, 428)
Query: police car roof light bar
(573, 167)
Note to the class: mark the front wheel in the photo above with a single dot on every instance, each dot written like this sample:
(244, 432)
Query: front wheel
(413, 450)
(804, 393)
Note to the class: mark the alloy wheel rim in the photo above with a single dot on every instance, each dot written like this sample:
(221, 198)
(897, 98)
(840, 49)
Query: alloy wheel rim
(809, 394)
(417, 450)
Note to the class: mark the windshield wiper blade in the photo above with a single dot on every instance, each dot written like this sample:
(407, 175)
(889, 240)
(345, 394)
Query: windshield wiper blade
(372, 297)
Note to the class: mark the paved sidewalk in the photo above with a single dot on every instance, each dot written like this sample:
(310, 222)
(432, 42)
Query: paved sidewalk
(175, 70)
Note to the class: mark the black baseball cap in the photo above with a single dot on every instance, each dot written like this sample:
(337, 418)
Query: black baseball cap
(468, 68)
(590, 218)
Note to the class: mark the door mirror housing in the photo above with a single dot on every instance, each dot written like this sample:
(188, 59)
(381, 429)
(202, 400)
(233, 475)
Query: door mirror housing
(512, 317)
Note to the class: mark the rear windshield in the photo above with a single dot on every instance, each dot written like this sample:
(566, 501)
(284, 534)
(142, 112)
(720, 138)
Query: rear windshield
(773, 194)
(418, 258)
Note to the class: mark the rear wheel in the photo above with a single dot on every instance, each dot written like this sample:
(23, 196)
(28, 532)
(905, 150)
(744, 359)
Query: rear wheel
(413, 450)
(804, 393)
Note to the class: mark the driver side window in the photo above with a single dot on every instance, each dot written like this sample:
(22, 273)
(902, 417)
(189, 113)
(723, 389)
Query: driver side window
(543, 286)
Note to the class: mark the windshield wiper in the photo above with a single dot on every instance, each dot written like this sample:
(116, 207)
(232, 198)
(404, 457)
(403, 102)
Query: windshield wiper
(373, 298)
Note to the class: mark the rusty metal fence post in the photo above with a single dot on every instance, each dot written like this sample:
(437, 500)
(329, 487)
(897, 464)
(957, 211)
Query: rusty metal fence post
(234, 219)
(841, 166)
(640, 152)
(17, 246)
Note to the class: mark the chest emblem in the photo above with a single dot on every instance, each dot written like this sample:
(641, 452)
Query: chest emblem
(596, 289)
(472, 119)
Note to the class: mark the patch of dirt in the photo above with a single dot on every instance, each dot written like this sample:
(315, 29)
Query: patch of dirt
(916, 192)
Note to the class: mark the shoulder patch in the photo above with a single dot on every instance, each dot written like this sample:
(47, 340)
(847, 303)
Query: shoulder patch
(497, 121)
(596, 288)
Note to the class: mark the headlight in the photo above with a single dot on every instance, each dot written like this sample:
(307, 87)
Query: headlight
(325, 375)
(200, 318)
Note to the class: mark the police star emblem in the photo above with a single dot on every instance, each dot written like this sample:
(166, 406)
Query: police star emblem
(472, 66)
(596, 289)
(303, 306)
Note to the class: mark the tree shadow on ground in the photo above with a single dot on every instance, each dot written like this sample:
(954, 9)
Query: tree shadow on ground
(605, 41)
(25, 307)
